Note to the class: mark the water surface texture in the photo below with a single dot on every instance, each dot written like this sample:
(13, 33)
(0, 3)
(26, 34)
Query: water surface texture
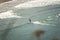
(42, 18)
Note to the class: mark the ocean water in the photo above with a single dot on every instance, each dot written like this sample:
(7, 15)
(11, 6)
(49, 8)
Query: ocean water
(42, 18)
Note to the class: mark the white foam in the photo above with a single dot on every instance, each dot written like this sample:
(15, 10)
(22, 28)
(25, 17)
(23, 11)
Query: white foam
(36, 3)
(8, 14)
(37, 22)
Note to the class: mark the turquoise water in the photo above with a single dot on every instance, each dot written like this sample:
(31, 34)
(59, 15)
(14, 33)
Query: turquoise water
(21, 29)
(25, 32)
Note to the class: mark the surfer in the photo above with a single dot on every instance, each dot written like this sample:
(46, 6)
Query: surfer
(29, 20)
